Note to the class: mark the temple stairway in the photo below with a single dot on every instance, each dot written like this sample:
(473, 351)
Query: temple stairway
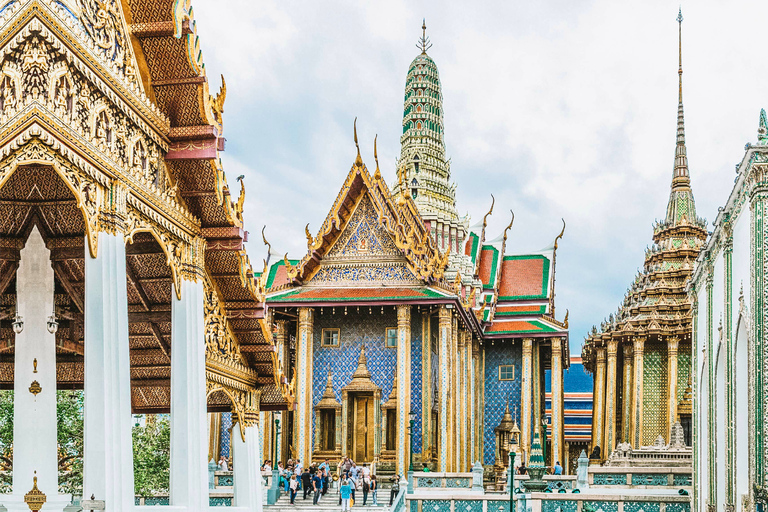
(329, 502)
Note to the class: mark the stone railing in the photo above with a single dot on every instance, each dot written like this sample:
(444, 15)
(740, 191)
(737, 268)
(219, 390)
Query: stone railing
(639, 477)
(223, 479)
(215, 499)
(546, 502)
(540, 502)
(426, 481)
(555, 483)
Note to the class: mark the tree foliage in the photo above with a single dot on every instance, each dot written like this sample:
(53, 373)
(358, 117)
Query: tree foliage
(152, 456)
(69, 428)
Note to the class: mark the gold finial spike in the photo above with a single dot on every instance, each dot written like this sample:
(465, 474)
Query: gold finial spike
(558, 237)
(485, 217)
(424, 43)
(377, 174)
(358, 159)
(509, 226)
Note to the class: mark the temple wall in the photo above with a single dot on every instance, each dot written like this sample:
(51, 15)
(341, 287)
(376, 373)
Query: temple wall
(500, 393)
(369, 328)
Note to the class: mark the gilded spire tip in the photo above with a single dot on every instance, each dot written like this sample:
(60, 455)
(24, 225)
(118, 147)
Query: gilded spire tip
(377, 174)
(424, 43)
(358, 159)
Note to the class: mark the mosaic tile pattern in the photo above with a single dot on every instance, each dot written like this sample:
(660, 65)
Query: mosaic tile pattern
(641, 506)
(498, 506)
(649, 479)
(500, 393)
(684, 480)
(610, 479)
(603, 506)
(679, 507)
(457, 483)
(655, 372)
(226, 427)
(436, 506)
(220, 502)
(428, 482)
(468, 506)
(416, 379)
(558, 506)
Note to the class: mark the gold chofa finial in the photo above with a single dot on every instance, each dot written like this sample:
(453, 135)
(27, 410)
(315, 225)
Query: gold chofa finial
(358, 159)
(424, 43)
(377, 174)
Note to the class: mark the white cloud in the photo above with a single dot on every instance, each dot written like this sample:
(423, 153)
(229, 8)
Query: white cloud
(561, 109)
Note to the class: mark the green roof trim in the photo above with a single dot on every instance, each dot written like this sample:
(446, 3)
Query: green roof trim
(542, 309)
(544, 275)
(494, 266)
(543, 328)
(273, 271)
(475, 241)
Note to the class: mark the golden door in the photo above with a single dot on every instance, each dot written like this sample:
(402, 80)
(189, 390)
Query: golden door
(363, 428)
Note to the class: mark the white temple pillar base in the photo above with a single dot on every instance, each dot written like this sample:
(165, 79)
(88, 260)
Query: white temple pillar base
(108, 457)
(15, 503)
(189, 425)
(247, 471)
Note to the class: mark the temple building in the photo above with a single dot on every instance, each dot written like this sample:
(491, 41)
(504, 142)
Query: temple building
(122, 266)
(640, 356)
(402, 324)
(729, 289)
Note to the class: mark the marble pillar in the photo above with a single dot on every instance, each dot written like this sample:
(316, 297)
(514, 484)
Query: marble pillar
(558, 423)
(189, 473)
(609, 432)
(248, 491)
(403, 386)
(108, 457)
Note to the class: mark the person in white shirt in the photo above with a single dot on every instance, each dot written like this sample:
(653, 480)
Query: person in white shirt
(223, 466)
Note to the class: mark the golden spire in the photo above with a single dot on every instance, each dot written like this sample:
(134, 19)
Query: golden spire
(424, 43)
(362, 366)
(358, 159)
(680, 178)
(377, 174)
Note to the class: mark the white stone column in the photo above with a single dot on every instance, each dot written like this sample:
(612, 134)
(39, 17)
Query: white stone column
(34, 414)
(247, 473)
(108, 457)
(189, 473)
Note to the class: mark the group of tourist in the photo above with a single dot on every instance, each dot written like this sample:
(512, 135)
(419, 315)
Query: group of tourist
(315, 480)
(557, 469)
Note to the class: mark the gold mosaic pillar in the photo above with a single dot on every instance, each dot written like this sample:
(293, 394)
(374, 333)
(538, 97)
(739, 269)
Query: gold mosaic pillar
(527, 398)
(627, 394)
(444, 320)
(460, 405)
(598, 415)
(536, 379)
(637, 394)
(453, 398)
(403, 385)
(672, 345)
(426, 389)
(557, 401)
(304, 347)
(609, 432)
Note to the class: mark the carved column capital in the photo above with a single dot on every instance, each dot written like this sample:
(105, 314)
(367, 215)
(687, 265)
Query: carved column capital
(601, 353)
(672, 344)
(527, 346)
(612, 347)
(627, 351)
(639, 344)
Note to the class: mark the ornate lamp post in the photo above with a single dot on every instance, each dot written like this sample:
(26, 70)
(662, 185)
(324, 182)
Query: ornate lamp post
(512, 481)
(411, 423)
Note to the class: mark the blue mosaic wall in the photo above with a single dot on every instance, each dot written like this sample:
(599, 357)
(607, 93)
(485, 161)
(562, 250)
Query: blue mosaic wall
(355, 328)
(500, 393)
(226, 426)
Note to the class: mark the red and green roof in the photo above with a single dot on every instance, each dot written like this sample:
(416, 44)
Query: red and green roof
(489, 264)
(520, 327)
(277, 274)
(470, 249)
(524, 277)
(520, 310)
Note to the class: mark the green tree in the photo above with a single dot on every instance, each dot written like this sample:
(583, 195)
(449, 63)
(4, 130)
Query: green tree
(6, 440)
(152, 456)
(69, 428)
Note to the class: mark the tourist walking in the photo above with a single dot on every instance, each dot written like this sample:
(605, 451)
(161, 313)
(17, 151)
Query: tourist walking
(395, 489)
(326, 481)
(317, 487)
(374, 489)
(366, 488)
(294, 488)
(306, 482)
(345, 492)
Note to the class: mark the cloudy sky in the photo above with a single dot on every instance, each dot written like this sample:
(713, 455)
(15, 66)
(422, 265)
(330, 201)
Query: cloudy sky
(560, 108)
